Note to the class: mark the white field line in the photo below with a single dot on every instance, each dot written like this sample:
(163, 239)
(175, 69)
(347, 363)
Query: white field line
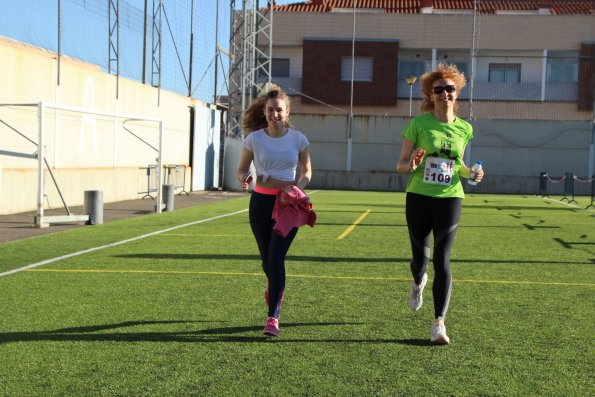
(567, 204)
(169, 229)
(59, 258)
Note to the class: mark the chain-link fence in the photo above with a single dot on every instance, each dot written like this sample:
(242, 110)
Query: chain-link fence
(173, 44)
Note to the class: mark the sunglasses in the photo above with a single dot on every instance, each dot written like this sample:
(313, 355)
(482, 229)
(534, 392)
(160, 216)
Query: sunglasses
(440, 89)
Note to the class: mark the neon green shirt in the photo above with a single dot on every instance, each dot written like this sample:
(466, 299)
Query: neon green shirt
(444, 144)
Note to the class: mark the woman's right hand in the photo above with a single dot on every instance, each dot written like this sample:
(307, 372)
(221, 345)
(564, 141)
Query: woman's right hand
(416, 158)
(246, 180)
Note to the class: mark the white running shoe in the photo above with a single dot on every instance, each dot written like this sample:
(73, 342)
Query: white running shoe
(415, 295)
(439, 336)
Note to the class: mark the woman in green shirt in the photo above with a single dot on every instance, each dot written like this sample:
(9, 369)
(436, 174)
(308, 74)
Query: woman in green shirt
(432, 152)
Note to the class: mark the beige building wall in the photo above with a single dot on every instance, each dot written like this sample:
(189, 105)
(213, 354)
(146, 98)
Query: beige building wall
(516, 139)
(84, 151)
(501, 36)
(506, 32)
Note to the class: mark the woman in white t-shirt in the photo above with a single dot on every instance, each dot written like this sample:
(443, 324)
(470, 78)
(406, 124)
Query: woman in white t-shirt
(276, 150)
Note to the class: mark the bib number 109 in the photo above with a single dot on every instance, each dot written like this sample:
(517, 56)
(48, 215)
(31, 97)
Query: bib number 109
(440, 178)
(438, 171)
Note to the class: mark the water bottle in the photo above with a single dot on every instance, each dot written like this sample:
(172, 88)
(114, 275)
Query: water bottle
(476, 167)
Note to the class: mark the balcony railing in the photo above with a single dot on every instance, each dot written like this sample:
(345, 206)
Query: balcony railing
(483, 91)
(556, 92)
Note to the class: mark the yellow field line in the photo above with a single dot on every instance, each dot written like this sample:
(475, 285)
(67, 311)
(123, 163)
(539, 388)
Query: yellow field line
(314, 276)
(353, 225)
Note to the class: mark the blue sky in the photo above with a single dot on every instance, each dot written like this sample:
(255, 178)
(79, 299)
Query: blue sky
(84, 35)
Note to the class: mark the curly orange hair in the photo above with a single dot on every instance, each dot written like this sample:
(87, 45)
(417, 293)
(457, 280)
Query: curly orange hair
(443, 72)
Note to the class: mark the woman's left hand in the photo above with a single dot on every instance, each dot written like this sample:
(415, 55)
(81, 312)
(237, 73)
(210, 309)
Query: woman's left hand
(286, 189)
(479, 176)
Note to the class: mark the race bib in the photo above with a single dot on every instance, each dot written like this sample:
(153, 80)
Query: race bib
(438, 171)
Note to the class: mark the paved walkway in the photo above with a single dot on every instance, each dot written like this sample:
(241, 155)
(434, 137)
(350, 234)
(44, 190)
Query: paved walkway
(21, 226)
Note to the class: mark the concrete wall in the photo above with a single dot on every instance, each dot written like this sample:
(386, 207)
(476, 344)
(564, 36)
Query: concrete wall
(206, 148)
(85, 151)
(514, 152)
(500, 38)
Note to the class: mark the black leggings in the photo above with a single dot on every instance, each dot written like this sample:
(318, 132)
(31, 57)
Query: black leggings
(441, 216)
(273, 248)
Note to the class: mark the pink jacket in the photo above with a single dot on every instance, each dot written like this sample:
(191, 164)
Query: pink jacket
(292, 209)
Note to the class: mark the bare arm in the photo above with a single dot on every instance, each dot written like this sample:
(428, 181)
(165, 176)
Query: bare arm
(464, 171)
(409, 159)
(244, 167)
(305, 169)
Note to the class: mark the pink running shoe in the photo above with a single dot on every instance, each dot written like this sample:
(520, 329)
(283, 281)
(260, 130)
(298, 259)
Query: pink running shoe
(271, 327)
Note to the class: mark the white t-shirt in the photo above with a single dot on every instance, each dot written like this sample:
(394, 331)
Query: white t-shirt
(276, 157)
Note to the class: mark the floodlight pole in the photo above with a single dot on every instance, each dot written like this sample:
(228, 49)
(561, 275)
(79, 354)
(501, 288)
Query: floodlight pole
(216, 50)
(467, 154)
(473, 60)
(591, 165)
(350, 119)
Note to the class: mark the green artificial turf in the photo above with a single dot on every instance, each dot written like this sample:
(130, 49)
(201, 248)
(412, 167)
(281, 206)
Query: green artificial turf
(180, 312)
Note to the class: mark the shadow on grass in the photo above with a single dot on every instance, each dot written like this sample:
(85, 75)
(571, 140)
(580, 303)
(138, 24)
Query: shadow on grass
(95, 328)
(328, 259)
(219, 334)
